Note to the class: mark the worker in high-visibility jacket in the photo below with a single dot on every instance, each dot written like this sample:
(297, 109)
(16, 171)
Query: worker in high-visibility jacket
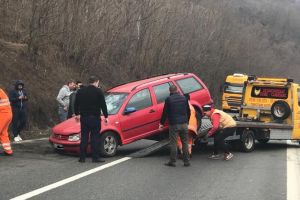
(192, 129)
(5, 119)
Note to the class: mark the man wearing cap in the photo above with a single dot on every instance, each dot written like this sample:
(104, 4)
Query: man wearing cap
(223, 126)
(177, 110)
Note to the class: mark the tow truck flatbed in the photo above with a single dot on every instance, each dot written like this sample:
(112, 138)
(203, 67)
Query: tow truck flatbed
(271, 125)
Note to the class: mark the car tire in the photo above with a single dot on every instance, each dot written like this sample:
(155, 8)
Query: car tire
(247, 141)
(108, 144)
(263, 141)
(280, 110)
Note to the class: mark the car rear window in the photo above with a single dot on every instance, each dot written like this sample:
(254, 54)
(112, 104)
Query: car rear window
(161, 92)
(189, 85)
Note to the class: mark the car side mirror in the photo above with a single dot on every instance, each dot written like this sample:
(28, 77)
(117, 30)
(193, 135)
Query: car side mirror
(129, 110)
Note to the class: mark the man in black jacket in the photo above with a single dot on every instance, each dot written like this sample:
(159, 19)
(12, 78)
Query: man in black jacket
(18, 100)
(89, 102)
(177, 110)
(71, 110)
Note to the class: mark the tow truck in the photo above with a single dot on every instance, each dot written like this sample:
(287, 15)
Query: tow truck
(270, 110)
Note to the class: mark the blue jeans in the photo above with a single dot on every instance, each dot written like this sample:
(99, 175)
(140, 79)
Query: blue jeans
(90, 126)
(19, 120)
(62, 114)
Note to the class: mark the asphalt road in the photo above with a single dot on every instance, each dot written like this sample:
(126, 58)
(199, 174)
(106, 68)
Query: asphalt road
(260, 175)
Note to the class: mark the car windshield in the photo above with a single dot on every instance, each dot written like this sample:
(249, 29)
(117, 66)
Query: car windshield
(233, 88)
(114, 101)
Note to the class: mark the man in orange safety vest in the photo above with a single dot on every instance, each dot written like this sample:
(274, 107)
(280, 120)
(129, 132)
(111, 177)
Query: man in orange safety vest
(5, 119)
(192, 129)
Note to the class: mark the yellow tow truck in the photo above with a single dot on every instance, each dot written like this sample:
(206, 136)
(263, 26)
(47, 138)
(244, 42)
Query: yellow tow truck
(270, 110)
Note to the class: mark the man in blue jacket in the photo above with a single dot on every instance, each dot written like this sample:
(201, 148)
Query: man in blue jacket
(18, 100)
(177, 110)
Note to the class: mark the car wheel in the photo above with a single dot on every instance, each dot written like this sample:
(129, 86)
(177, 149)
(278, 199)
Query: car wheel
(280, 110)
(108, 144)
(263, 141)
(247, 141)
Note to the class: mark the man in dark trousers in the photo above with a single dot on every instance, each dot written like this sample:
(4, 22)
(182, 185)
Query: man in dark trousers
(18, 100)
(88, 105)
(223, 126)
(177, 110)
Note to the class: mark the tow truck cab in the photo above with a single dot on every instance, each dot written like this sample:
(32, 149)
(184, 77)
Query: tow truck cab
(232, 92)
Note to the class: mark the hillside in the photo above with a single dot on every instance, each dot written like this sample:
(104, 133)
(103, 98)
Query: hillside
(46, 43)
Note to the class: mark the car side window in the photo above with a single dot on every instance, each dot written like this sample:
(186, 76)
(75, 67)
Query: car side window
(140, 100)
(161, 92)
(189, 85)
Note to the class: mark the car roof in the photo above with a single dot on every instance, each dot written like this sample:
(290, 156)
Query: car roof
(128, 87)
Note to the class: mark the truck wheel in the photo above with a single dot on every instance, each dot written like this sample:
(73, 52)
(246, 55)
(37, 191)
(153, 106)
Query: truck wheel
(247, 141)
(280, 110)
(263, 141)
(108, 144)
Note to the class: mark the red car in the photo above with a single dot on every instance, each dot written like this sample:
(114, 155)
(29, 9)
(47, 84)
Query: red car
(134, 112)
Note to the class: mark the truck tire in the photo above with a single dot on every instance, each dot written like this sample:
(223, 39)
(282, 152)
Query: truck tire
(280, 110)
(108, 144)
(247, 141)
(263, 141)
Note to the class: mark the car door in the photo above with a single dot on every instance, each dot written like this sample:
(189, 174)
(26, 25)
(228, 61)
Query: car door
(161, 92)
(141, 122)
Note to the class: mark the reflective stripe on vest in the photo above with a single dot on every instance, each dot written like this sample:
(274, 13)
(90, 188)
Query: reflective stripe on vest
(6, 146)
(226, 121)
(4, 102)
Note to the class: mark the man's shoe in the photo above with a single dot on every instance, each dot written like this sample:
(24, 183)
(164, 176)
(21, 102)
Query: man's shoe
(8, 154)
(228, 156)
(170, 164)
(215, 156)
(81, 160)
(187, 164)
(16, 139)
(20, 139)
(97, 160)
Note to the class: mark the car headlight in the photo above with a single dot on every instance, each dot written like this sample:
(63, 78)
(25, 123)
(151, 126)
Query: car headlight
(74, 138)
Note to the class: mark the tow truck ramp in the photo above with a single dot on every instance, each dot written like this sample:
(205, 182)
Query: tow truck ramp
(205, 126)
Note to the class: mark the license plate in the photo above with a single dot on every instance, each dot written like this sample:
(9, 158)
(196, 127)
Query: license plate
(58, 146)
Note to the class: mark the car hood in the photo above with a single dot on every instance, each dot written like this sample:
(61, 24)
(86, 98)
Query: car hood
(67, 127)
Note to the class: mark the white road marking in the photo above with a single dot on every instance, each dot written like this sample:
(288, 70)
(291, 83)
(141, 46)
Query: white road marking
(28, 141)
(293, 172)
(68, 180)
